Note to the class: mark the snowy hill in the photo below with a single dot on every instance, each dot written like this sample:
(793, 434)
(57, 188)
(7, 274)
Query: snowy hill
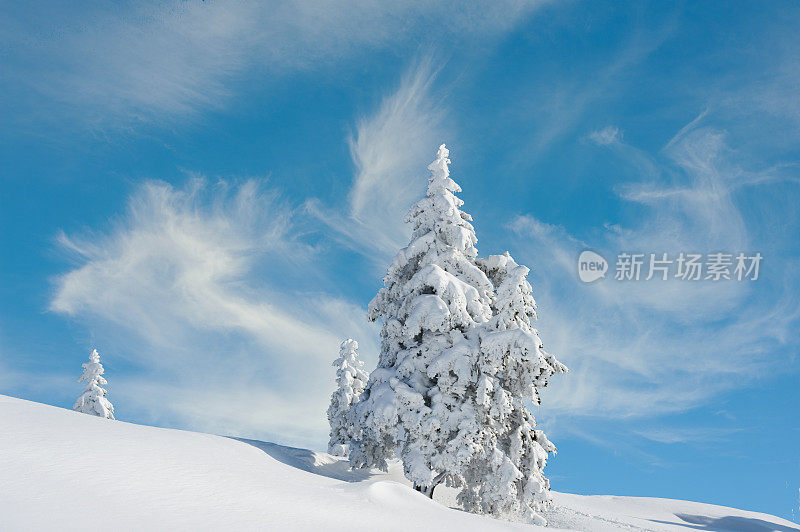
(68, 471)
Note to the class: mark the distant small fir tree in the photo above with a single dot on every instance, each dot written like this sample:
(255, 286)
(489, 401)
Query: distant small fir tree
(93, 399)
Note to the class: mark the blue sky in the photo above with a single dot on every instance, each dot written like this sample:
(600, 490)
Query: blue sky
(209, 194)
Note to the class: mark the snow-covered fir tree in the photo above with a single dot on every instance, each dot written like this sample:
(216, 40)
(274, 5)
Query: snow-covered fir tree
(419, 400)
(93, 399)
(506, 477)
(459, 358)
(350, 383)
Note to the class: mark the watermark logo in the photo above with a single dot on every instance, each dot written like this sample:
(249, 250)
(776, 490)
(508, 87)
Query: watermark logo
(591, 266)
(662, 266)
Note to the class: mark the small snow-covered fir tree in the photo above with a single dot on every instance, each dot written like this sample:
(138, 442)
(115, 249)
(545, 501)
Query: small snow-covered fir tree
(93, 399)
(506, 477)
(350, 383)
(417, 404)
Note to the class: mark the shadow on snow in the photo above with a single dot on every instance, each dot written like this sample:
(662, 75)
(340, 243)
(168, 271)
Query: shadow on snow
(316, 463)
(729, 523)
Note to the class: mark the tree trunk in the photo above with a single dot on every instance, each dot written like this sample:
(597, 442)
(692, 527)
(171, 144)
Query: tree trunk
(428, 490)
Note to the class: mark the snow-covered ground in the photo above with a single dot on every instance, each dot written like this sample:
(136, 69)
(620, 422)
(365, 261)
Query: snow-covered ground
(60, 470)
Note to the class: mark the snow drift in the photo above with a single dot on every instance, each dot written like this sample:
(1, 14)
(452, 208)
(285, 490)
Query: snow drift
(69, 471)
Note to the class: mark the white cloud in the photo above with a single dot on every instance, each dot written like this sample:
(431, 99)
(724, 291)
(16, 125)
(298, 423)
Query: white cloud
(151, 61)
(189, 286)
(672, 435)
(643, 349)
(556, 108)
(606, 136)
(241, 408)
(390, 150)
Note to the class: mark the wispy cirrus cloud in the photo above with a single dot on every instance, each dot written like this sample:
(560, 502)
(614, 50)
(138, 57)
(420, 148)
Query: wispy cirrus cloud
(390, 150)
(606, 136)
(124, 64)
(686, 435)
(644, 349)
(556, 109)
(189, 286)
